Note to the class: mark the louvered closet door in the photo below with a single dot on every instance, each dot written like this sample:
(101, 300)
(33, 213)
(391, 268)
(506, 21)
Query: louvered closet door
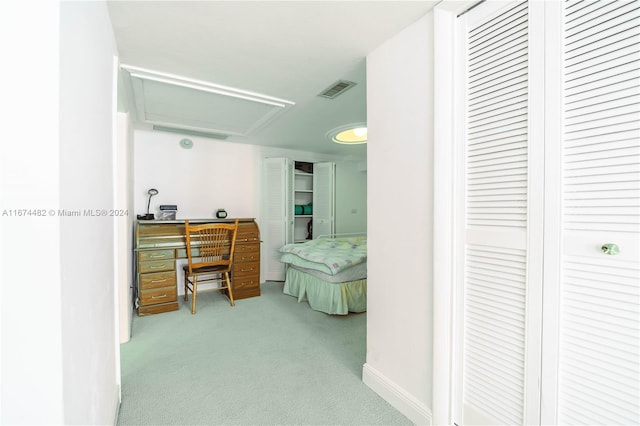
(499, 338)
(277, 232)
(599, 348)
(323, 198)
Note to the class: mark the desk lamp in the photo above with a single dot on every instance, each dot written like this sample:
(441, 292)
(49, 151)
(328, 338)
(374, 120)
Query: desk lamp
(149, 216)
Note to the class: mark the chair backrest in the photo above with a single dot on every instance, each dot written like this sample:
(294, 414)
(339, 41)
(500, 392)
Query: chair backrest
(210, 244)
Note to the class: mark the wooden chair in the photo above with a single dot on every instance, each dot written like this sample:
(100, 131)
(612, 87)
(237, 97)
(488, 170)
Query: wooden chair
(210, 249)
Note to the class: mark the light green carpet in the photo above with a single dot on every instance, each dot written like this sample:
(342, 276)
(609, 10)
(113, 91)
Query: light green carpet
(269, 360)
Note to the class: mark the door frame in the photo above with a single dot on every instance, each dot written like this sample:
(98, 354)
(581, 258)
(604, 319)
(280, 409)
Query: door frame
(445, 209)
(552, 230)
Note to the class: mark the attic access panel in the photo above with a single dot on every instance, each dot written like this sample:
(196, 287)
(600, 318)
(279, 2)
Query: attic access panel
(175, 102)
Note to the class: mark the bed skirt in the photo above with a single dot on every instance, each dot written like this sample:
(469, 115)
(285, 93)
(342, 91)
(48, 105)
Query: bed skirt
(331, 298)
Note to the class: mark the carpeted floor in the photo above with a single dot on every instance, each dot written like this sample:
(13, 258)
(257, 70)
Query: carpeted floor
(269, 360)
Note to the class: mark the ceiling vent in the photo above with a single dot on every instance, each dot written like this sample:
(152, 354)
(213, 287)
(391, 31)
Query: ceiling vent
(191, 132)
(337, 88)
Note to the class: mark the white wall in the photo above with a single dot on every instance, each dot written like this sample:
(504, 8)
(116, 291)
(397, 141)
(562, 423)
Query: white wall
(87, 137)
(211, 175)
(31, 360)
(217, 174)
(58, 328)
(400, 197)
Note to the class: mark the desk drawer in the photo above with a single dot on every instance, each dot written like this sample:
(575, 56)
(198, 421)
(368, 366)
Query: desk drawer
(159, 295)
(247, 247)
(246, 257)
(247, 236)
(242, 269)
(158, 308)
(157, 280)
(156, 266)
(144, 256)
(249, 281)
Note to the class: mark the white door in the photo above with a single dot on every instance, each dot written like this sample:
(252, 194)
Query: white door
(598, 344)
(277, 229)
(501, 289)
(323, 198)
(590, 371)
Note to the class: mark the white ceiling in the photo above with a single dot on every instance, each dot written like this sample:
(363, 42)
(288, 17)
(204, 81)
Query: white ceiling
(290, 50)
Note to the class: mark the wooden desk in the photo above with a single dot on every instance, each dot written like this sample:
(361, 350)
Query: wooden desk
(159, 243)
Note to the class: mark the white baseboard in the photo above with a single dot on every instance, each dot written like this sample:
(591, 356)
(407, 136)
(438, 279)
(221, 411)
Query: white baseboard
(118, 402)
(413, 409)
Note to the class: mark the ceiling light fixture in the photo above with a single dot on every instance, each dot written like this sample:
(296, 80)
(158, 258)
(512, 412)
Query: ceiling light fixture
(349, 134)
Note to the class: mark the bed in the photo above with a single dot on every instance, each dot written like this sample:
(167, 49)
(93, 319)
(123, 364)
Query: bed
(330, 273)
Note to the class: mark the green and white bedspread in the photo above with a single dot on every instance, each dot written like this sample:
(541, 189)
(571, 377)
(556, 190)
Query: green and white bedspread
(328, 255)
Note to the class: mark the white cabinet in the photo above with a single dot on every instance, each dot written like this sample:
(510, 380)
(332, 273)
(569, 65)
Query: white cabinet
(298, 206)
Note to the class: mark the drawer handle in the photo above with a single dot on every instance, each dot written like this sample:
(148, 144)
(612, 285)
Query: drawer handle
(246, 270)
(159, 297)
(157, 267)
(247, 257)
(158, 256)
(247, 282)
(158, 281)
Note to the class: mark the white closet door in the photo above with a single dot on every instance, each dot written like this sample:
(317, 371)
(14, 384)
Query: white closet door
(501, 342)
(289, 201)
(599, 346)
(277, 227)
(323, 198)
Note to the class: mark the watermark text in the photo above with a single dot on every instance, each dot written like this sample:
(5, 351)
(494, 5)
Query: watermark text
(64, 212)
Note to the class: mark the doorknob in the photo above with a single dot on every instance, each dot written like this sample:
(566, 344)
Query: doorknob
(610, 248)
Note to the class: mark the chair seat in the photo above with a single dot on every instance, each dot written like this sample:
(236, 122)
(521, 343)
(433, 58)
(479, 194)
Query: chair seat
(207, 269)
